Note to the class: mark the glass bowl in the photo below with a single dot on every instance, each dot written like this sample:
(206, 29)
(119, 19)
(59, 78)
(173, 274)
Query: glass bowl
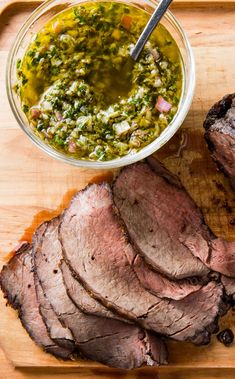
(47, 11)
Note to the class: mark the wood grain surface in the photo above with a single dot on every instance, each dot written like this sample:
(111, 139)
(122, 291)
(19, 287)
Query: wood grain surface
(31, 183)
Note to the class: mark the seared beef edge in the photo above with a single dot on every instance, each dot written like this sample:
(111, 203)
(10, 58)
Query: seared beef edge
(54, 349)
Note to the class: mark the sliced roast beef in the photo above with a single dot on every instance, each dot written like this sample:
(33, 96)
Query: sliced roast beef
(156, 211)
(162, 286)
(82, 299)
(166, 226)
(149, 279)
(61, 335)
(17, 283)
(229, 285)
(218, 254)
(220, 135)
(108, 341)
(95, 246)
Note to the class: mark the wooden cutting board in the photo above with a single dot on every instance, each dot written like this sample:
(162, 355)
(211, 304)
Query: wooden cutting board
(34, 186)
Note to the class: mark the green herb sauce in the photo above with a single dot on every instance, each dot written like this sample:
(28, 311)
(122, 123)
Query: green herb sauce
(82, 94)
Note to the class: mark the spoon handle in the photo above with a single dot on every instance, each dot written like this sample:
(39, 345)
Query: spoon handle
(151, 25)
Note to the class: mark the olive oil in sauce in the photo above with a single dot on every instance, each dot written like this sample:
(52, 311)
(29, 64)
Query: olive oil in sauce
(83, 96)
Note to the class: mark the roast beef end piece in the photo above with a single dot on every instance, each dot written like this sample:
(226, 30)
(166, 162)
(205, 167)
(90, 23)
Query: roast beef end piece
(222, 147)
(106, 340)
(219, 110)
(220, 135)
(17, 283)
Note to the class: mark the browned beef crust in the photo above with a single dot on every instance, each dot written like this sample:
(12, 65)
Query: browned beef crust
(157, 211)
(220, 135)
(17, 283)
(95, 246)
(103, 339)
(166, 226)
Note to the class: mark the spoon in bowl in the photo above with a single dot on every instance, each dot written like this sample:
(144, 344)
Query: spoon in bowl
(121, 81)
(149, 28)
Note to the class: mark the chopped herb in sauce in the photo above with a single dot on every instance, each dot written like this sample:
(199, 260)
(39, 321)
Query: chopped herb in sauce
(84, 96)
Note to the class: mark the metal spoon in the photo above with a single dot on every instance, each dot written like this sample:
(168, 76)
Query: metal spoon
(151, 25)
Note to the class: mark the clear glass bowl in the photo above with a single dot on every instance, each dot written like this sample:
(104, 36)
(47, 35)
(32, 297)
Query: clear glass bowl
(48, 10)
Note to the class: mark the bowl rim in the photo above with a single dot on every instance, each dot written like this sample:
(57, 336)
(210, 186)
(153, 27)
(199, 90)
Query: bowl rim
(155, 145)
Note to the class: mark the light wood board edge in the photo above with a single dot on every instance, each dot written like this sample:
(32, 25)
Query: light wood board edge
(4, 4)
(177, 4)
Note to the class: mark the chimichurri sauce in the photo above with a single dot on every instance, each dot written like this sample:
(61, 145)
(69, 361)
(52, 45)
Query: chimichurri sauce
(83, 95)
